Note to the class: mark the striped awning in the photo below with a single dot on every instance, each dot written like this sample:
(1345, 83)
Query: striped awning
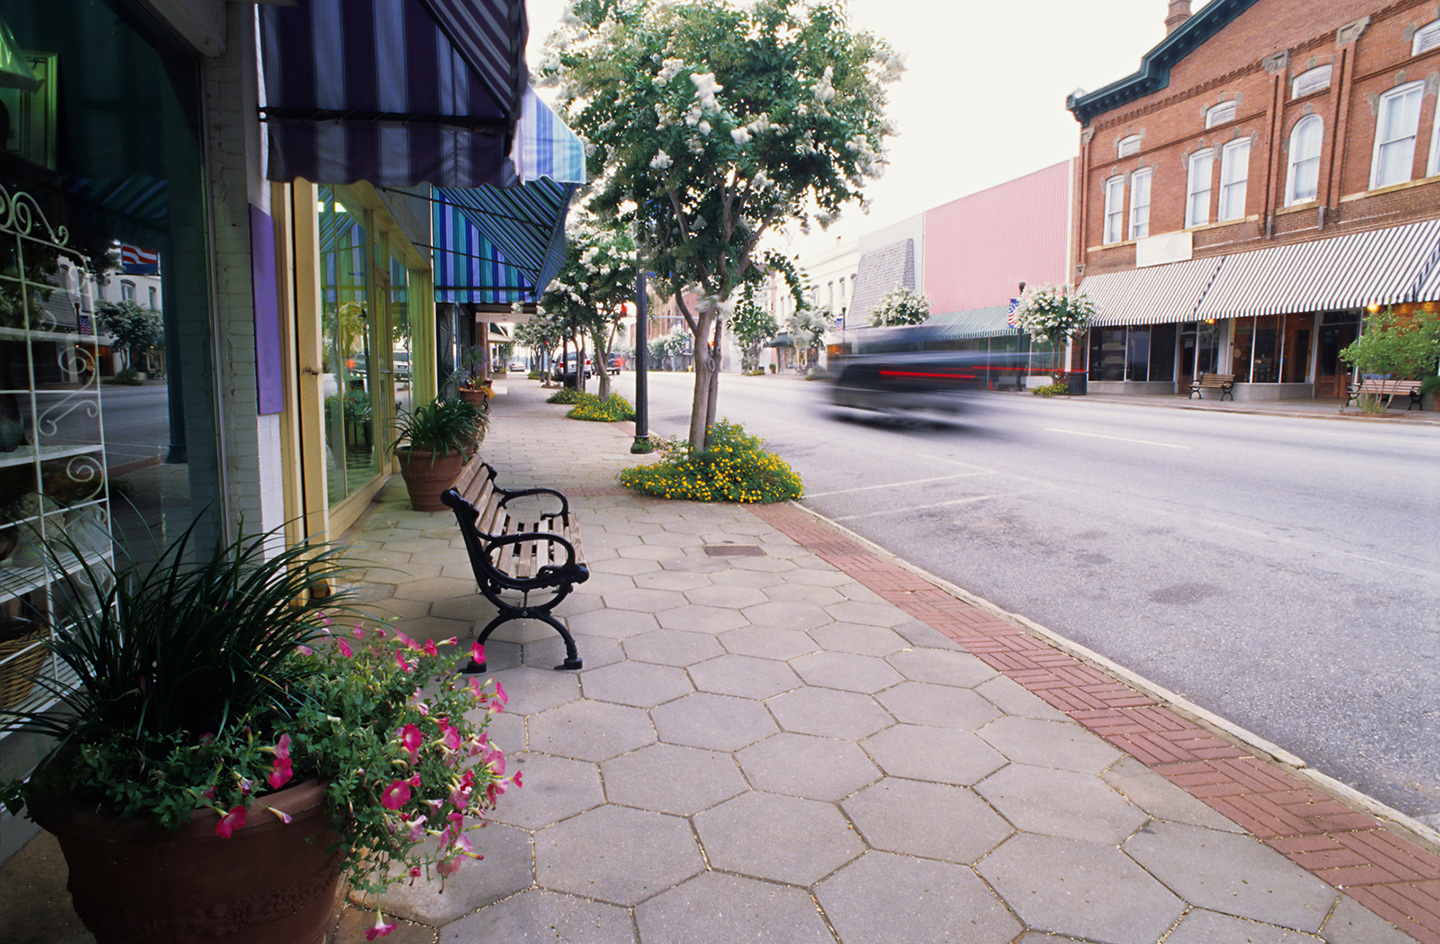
(501, 245)
(1383, 267)
(1160, 294)
(394, 92)
(991, 322)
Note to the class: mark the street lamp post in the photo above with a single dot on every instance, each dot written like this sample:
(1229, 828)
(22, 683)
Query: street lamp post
(642, 362)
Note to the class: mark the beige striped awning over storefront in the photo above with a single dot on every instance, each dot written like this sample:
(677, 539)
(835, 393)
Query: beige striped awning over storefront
(1153, 295)
(1381, 267)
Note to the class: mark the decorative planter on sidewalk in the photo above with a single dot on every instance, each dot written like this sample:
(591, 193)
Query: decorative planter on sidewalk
(269, 883)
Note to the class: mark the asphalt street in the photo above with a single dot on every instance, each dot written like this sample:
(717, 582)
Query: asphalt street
(1281, 572)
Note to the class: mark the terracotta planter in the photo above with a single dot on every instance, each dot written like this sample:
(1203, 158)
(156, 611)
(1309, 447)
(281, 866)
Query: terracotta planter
(479, 396)
(426, 479)
(269, 883)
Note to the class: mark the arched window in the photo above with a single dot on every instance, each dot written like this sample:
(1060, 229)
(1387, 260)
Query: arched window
(1426, 38)
(1127, 146)
(1303, 183)
(127, 290)
(1395, 130)
(1221, 113)
(1312, 81)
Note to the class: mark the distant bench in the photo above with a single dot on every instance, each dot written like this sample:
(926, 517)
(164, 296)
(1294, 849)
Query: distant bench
(1385, 388)
(1225, 383)
(518, 553)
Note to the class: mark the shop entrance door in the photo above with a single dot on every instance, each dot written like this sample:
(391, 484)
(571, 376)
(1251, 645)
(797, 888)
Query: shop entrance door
(1331, 372)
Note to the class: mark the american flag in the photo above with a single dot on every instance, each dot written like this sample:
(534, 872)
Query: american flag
(137, 261)
(1010, 312)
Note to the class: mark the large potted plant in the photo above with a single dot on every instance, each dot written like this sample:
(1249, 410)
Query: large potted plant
(226, 753)
(433, 442)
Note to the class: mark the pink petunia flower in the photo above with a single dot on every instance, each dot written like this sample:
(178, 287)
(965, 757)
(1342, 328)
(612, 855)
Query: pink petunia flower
(381, 928)
(281, 750)
(429, 648)
(283, 816)
(344, 648)
(449, 735)
(396, 795)
(448, 866)
(305, 650)
(477, 652)
(400, 659)
(230, 822)
(411, 739)
(500, 699)
(358, 632)
(280, 773)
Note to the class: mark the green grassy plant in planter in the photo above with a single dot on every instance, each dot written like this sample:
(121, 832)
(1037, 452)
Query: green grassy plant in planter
(432, 443)
(215, 698)
(733, 467)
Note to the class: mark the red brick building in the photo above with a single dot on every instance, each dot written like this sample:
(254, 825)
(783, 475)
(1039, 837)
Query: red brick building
(1270, 172)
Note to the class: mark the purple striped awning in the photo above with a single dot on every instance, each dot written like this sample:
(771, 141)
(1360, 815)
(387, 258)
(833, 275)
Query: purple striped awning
(394, 92)
(1160, 294)
(1382, 267)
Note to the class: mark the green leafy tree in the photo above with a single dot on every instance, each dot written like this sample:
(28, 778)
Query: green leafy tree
(752, 327)
(710, 123)
(1396, 347)
(900, 306)
(135, 330)
(594, 285)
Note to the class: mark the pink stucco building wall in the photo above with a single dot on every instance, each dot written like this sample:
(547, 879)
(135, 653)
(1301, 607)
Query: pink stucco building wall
(978, 248)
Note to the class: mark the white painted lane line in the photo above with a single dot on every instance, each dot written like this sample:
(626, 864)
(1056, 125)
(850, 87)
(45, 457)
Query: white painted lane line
(944, 504)
(868, 488)
(1142, 442)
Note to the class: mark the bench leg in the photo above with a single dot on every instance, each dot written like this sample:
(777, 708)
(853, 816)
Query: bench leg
(572, 655)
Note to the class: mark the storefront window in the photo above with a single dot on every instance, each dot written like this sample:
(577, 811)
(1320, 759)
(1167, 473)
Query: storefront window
(109, 149)
(1243, 348)
(1162, 352)
(347, 329)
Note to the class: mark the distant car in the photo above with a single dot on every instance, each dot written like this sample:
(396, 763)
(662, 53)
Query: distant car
(402, 367)
(614, 366)
(517, 365)
(567, 371)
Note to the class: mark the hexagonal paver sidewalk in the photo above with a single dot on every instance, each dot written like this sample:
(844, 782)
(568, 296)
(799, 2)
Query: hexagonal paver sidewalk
(779, 745)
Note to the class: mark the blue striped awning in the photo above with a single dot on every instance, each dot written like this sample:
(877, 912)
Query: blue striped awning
(501, 245)
(394, 92)
(990, 322)
(1383, 267)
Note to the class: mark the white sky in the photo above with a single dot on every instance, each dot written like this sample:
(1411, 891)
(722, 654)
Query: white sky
(982, 100)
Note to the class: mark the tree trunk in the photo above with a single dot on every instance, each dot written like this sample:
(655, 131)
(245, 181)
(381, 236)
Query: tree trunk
(702, 404)
(602, 362)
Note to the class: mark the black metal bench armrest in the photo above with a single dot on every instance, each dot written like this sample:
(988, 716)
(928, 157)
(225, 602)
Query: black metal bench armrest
(507, 494)
(550, 575)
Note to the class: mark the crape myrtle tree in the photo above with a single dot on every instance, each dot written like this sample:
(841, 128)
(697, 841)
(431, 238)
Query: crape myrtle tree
(710, 124)
(544, 332)
(807, 327)
(752, 326)
(900, 306)
(594, 285)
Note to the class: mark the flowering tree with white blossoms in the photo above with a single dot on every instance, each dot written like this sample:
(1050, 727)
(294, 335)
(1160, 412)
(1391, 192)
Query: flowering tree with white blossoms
(593, 286)
(900, 306)
(710, 123)
(1054, 314)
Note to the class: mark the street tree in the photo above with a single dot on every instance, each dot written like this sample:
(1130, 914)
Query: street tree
(135, 330)
(594, 285)
(1397, 347)
(1053, 315)
(900, 306)
(712, 123)
(752, 326)
(543, 332)
(807, 327)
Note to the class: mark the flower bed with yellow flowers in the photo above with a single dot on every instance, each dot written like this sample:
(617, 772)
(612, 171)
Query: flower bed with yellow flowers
(733, 468)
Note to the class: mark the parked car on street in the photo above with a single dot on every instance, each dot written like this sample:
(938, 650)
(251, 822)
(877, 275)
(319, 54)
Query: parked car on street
(614, 366)
(567, 372)
(516, 366)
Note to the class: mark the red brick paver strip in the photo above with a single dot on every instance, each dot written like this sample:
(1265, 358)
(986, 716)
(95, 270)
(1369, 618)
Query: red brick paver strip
(1350, 850)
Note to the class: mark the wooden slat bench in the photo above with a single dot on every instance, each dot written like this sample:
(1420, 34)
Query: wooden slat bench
(514, 552)
(1225, 383)
(1385, 388)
